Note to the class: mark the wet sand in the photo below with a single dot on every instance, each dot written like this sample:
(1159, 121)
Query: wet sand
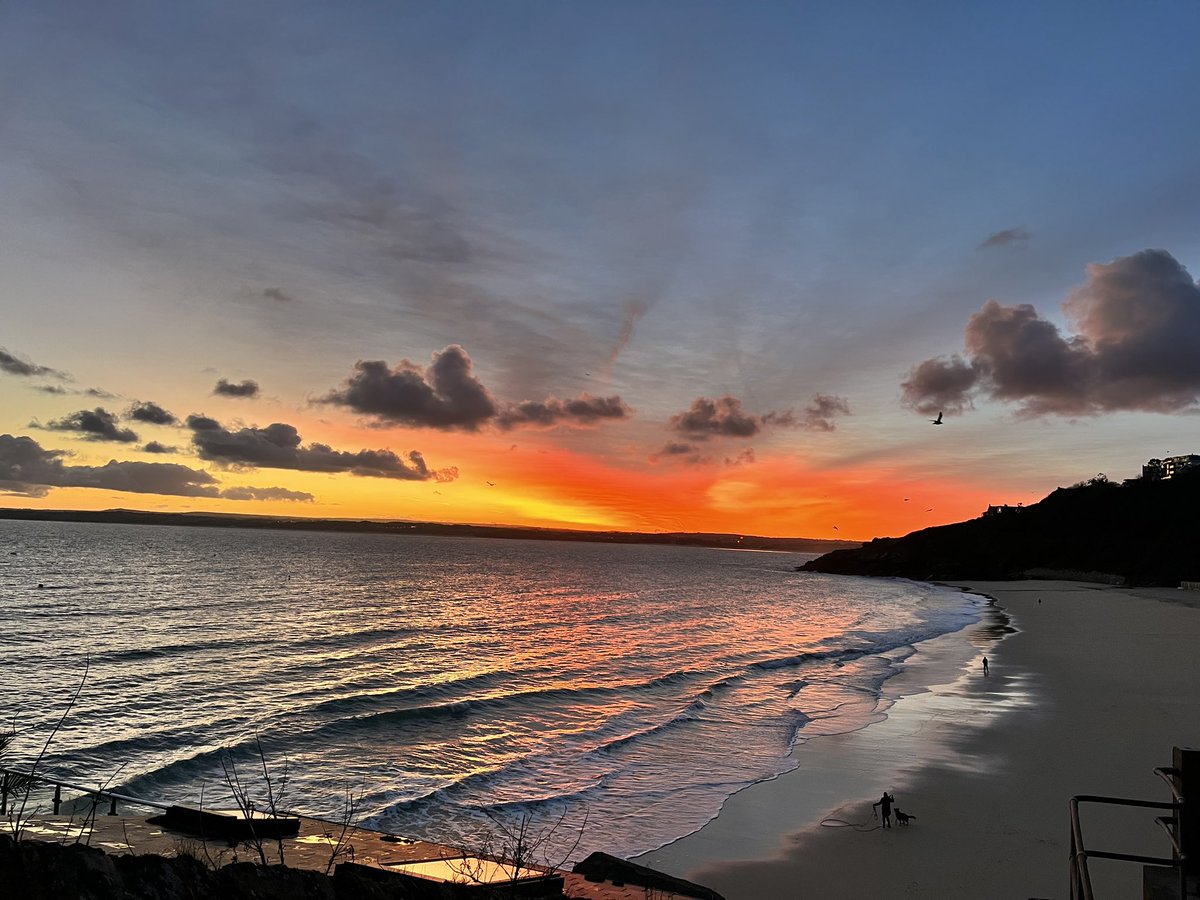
(1088, 695)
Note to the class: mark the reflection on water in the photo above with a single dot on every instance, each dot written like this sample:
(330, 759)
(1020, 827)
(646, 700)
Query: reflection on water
(451, 681)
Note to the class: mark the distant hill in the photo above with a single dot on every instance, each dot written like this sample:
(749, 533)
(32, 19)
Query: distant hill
(212, 520)
(1141, 532)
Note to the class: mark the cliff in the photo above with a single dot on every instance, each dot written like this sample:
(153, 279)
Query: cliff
(1140, 532)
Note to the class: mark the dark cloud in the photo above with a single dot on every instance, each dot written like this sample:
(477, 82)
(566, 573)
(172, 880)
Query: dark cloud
(821, 411)
(151, 413)
(96, 424)
(721, 417)
(583, 410)
(277, 294)
(745, 458)
(245, 388)
(267, 493)
(1136, 347)
(100, 394)
(678, 448)
(156, 447)
(445, 395)
(52, 389)
(724, 417)
(680, 451)
(14, 365)
(26, 468)
(1005, 237)
(941, 384)
(278, 446)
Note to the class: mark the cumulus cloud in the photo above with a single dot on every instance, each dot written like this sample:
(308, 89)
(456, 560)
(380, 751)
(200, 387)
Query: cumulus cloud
(1005, 237)
(722, 417)
(278, 446)
(151, 413)
(156, 447)
(583, 410)
(267, 493)
(245, 388)
(444, 395)
(744, 458)
(95, 424)
(725, 417)
(681, 451)
(1136, 346)
(822, 409)
(14, 365)
(27, 468)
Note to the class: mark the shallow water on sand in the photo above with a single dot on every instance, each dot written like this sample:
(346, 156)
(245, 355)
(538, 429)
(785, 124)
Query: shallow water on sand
(452, 682)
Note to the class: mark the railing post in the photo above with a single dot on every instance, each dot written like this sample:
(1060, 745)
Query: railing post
(1186, 778)
(112, 805)
(57, 798)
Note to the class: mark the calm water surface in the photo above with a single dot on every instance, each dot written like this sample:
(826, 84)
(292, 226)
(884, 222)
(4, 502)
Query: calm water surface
(448, 680)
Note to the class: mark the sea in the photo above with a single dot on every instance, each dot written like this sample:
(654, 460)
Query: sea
(603, 696)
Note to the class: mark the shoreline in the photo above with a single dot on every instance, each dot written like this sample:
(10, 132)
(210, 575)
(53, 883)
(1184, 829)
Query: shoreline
(1088, 694)
(833, 766)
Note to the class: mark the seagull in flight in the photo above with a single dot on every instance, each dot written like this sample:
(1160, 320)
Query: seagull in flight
(491, 484)
(938, 420)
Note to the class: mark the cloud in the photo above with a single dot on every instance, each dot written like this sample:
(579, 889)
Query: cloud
(52, 389)
(96, 424)
(14, 365)
(151, 413)
(245, 388)
(721, 417)
(680, 450)
(1136, 346)
(278, 446)
(267, 493)
(744, 458)
(277, 294)
(724, 417)
(26, 468)
(821, 410)
(1005, 237)
(446, 395)
(583, 410)
(156, 447)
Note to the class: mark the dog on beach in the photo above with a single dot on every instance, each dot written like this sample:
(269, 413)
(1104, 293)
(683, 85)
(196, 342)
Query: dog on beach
(902, 817)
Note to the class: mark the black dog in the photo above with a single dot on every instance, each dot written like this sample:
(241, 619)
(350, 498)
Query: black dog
(903, 817)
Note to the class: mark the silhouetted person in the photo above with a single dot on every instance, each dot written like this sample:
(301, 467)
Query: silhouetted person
(885, 808)
(985, 666)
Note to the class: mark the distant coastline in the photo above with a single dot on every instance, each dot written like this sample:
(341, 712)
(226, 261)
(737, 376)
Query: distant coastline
(217, 520)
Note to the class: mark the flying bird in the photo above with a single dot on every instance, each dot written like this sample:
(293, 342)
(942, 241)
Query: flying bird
(938, 420)
(491, 484)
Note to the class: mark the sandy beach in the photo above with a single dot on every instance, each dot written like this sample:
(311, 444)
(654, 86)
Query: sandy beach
(1088, 694)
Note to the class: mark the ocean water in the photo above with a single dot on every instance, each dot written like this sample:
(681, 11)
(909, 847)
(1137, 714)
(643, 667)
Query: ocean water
(457, 686)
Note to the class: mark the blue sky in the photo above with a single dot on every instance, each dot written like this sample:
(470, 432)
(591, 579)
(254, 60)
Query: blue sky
(657, 202)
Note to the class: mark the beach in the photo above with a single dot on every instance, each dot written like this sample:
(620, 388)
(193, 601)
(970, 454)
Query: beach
(1087, 693)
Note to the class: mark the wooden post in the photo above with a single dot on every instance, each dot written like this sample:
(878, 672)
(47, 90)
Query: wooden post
(57, 798)
(4, 795)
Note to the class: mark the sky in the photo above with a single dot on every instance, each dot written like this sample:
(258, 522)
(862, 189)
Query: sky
(668, 266)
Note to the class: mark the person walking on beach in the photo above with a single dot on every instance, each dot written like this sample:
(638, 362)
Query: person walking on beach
(985, 666)
(885, 808)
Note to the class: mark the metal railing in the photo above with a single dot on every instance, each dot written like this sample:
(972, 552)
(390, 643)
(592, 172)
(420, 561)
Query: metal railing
(1081, 881)
(11, 779)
